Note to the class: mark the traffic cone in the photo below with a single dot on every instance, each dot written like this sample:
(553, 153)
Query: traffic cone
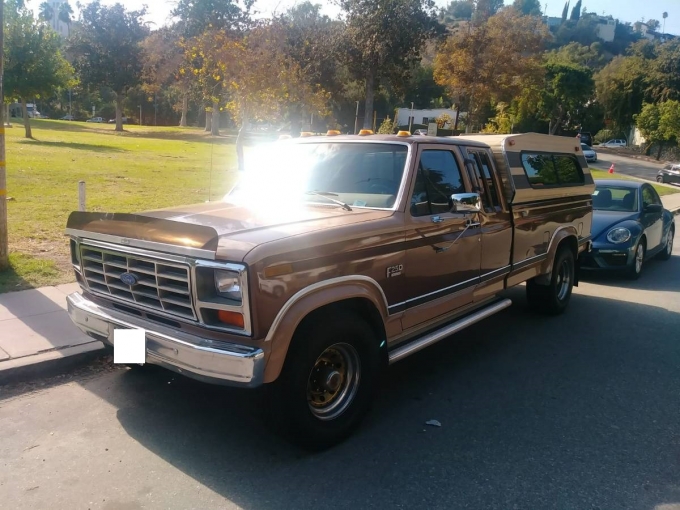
(611, 169)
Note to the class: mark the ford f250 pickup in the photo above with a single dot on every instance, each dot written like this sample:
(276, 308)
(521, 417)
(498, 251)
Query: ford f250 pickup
(335, 256)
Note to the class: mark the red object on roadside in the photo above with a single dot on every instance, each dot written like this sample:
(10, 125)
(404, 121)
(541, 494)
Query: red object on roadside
(611, 169)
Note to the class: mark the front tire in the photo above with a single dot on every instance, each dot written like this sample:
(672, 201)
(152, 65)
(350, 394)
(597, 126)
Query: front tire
(635, 270)
(552, 299)
(328, 381)
(668, 249)
(660, 179)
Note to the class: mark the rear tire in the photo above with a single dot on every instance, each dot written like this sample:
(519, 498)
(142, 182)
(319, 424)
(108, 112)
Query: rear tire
(553, 299)
(659, 179)
(327, 384)
(668, 249)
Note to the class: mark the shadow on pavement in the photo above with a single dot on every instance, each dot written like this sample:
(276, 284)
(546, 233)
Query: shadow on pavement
(576, 411)
(656, 275)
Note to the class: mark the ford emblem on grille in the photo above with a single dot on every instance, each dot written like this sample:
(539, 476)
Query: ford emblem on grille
(128, 279)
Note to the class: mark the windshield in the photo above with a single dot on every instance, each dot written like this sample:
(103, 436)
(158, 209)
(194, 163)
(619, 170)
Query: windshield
(586, 147)
(357, 174)
(615, 198)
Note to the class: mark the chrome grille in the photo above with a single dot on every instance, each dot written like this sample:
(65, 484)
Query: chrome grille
(161, 285)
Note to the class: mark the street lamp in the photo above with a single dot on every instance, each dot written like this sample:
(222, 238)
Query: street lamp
(356, 120)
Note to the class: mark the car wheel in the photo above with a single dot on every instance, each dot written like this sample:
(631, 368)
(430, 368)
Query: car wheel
(552, 299)
(327, 383)
(668, 250)
(635, 269)
(659, 178)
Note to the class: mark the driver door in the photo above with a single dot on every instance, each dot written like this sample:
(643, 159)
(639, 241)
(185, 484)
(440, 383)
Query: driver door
(443, 248)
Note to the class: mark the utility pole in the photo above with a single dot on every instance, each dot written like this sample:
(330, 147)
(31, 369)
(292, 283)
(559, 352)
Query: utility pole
(356, 120)
(4, 247)
(410, 120)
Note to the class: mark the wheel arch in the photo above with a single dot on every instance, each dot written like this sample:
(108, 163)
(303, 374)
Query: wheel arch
(360, 295)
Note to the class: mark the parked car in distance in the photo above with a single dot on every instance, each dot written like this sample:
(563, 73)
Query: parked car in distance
(630, 226)
(589, 153)
(95, 119)
(113, 121)
(422, 132)
(669, 174)
(333, 257)
(617, 142)
(586, 138)
(68, 117)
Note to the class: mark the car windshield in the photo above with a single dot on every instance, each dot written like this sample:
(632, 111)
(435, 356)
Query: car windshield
(354, 173)
(586, 147)
(615, 198)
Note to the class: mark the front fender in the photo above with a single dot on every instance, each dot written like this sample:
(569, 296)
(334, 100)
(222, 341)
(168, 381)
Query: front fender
(312, 298)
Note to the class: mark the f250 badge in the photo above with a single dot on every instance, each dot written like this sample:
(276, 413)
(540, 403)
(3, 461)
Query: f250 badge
(395, 270)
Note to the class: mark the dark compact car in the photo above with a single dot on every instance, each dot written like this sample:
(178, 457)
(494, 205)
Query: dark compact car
(630, 226)
(669, 174)
(586, 138)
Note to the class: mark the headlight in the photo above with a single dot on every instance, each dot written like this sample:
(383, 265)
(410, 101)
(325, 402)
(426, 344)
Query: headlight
(228, 285)
(618, 235)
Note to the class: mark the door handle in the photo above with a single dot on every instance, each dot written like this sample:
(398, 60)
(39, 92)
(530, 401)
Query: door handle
(472, 224)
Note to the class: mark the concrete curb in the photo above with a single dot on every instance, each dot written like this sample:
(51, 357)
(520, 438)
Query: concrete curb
(49, 363)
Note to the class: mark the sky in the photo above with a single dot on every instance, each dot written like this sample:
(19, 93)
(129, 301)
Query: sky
(624, 10)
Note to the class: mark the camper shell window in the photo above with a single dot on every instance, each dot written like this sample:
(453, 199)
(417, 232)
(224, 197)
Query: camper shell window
(545, 169)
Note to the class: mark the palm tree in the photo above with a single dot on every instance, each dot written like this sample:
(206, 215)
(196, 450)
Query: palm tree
(65, 15)
(664, 16)
(46, 12)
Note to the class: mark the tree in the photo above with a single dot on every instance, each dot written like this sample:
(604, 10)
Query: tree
(65, 15)
(383, 39)
(243, 65)
(568, 88)
(196, 16)
(575, 53)
(620, 89)
(653, 24)
(456, 10)
(484, 9)
(34, 65)
(664, 16)
(45, 12)
(565, 11)
(107, 50)
(528, 7)
(665, 71)
(494, 62)
(576, 11)
(659, 123)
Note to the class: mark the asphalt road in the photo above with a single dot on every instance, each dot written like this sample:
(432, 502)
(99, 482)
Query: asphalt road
(580, 411)
(627, 166)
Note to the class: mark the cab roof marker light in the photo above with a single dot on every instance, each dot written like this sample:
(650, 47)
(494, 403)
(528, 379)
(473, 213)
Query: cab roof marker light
(332, 132)
(365, 132)
(403, 133)
(305, 134)
(284, 137)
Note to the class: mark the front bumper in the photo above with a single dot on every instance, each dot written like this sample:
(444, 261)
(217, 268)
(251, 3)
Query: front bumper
(607, 258)
(206, 360)
(591, 159)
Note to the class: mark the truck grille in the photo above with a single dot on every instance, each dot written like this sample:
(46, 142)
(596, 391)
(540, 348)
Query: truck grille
(161, 285)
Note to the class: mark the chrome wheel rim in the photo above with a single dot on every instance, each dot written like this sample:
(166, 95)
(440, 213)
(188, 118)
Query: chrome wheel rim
(564, 278)
(639, 258)
(333, 381)
(669, 244)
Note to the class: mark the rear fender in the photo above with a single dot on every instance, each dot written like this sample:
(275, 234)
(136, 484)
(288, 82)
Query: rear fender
(563, 235)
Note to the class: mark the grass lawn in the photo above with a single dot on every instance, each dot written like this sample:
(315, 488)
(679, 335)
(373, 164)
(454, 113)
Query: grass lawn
(143, 168)
(660, 189)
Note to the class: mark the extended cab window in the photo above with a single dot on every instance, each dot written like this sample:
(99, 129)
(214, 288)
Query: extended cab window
(438, 178)
(552, 169)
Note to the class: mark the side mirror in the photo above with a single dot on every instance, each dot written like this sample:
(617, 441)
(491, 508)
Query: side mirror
(466, 202)
(653, 208)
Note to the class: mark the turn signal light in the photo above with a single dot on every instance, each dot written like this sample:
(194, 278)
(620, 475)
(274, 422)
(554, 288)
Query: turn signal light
(231, 318)
(333, 132)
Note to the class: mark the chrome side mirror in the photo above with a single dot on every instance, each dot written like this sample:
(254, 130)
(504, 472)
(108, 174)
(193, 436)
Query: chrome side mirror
(466, 202)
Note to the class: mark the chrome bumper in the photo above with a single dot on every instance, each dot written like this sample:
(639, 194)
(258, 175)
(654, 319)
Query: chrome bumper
(193, 356)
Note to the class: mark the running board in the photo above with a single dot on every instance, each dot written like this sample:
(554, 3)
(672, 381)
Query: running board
(450, 329)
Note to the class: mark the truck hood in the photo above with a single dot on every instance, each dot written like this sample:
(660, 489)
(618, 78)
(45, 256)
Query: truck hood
(227, 230)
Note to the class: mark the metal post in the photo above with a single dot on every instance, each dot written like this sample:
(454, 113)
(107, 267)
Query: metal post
(140, 114)
(81, 195)
(410, 120)
(356, 120)
(4, 247)
(375, 119)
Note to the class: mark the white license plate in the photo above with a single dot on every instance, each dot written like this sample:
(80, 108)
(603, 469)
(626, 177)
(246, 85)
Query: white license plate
(129, 346)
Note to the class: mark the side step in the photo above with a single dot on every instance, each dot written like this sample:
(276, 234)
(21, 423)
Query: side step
(449, 329)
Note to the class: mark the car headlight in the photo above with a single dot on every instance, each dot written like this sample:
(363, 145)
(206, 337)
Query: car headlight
(618, 235)
(228, 284)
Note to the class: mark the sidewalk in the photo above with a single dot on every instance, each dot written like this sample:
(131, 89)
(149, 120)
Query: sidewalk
(36, 332)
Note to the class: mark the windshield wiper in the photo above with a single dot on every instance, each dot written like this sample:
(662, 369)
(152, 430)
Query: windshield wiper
(327, 195)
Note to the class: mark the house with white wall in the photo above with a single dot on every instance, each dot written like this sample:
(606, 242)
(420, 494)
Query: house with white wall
(425, 116)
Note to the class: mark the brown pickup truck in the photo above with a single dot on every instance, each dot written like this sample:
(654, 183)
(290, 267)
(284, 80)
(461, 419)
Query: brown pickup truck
(335, 256)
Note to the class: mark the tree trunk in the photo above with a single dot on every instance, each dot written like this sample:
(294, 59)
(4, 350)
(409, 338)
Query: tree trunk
(185, 109)
(27, 120)
(658, 152)
(558, 121)
(370, 94)
(215, 128)
(208, 120)
(239, 143)
(455, 124)
(119, 111)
